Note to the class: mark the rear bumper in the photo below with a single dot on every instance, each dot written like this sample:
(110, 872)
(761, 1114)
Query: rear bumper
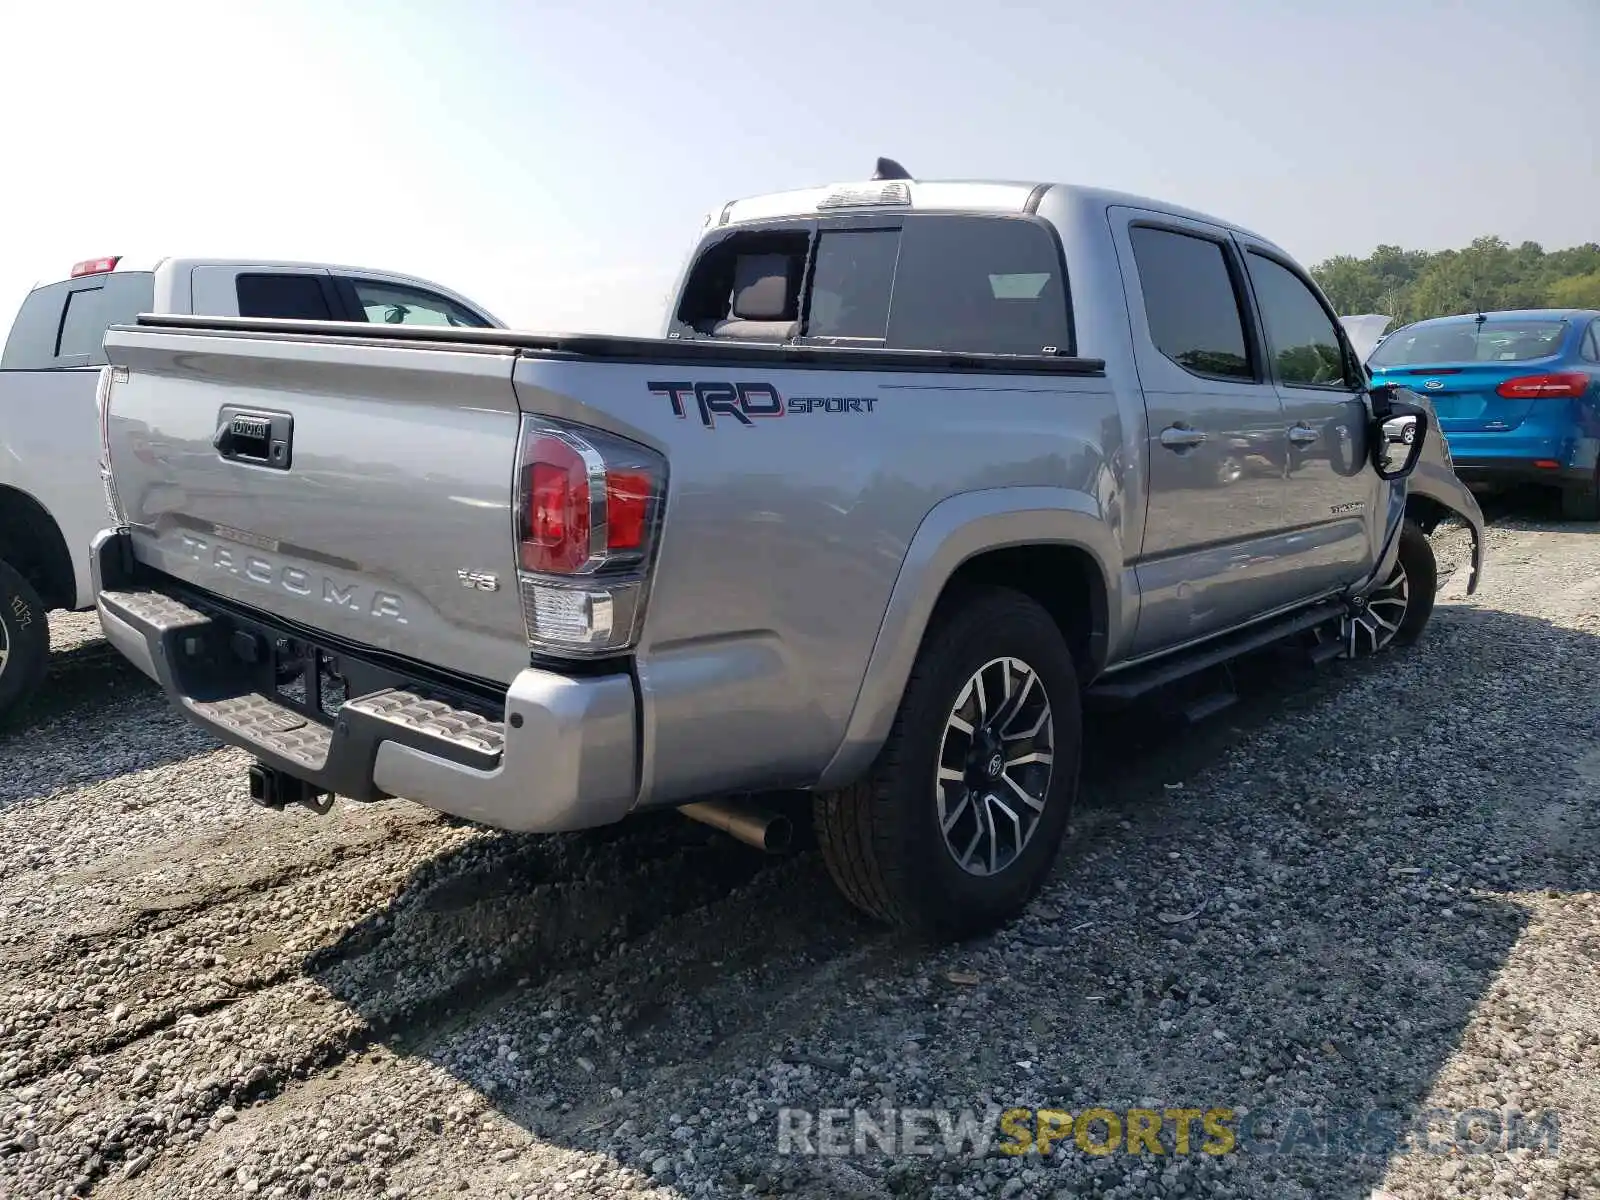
(562, 755)
(1512, 458)
(1505, 472)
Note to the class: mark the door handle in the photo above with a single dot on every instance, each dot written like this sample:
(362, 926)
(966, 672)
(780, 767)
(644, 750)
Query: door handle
(262, 439)
(1175, 437)
(1303, 435)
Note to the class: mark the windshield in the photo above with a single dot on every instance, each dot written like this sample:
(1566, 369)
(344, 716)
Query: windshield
(1469, 341)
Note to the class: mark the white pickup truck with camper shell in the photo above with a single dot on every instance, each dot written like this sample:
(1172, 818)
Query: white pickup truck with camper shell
(916, 469)
(52, 502)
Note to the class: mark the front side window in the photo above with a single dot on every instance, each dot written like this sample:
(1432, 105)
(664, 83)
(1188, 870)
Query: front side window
(1302, 338)
(1190, 302)
(395, 304)
(851, 283)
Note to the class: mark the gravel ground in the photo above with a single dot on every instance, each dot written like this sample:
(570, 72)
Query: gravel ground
(1369, 887)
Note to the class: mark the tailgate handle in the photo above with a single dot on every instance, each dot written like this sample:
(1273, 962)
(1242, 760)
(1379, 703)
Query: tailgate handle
(261, 439)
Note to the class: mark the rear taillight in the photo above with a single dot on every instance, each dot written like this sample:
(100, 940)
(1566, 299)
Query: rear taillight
(588, 509)
(1559, 385)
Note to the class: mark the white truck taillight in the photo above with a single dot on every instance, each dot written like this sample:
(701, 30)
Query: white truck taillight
(102, 408)
(588, 515)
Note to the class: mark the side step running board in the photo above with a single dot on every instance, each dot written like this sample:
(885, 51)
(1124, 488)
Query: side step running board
(1134, 682)
(1209, 706)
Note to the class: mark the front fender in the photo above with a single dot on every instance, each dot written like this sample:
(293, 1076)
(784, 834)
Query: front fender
(1434, 483)
(955, 530)
(1435, 479)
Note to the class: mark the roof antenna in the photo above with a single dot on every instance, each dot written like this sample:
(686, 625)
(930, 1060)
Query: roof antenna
(889, 169)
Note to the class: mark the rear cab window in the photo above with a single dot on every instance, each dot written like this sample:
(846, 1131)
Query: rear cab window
(64, 324)
(852, 285)
(959, 283)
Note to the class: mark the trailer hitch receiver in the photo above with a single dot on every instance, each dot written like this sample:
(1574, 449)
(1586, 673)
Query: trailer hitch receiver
(275, 789)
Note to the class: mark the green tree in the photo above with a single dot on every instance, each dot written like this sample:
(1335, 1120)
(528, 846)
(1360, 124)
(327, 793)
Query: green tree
(1576, 291)
(1487, 274)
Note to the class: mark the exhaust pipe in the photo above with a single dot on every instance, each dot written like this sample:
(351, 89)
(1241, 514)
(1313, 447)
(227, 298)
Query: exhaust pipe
(767, 831)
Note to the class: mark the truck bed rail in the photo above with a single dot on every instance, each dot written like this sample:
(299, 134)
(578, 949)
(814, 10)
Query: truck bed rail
(630, 349)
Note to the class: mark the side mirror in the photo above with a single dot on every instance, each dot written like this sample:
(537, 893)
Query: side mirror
(1399, 430)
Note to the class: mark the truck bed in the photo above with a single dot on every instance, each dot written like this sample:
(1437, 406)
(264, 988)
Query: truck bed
(781, 543)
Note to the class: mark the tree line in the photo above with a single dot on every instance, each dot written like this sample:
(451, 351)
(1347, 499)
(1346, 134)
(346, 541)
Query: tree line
(1413, 285)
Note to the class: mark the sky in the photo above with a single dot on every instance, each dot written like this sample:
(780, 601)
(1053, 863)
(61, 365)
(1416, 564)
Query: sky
(554, 160)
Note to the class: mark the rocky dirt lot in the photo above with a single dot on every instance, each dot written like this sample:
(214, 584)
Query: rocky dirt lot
(1373, 887)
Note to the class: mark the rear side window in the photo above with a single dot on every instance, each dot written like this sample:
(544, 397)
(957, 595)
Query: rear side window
(1303, 338)
(1591, 342)
(64, 324)
(1190, 303)
(292, 297)
(851, 284)
(394, 304)
(979, 285)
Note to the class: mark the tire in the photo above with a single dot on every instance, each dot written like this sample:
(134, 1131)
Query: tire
(1581, 502)
(24, 639)
(1405, 600)
(882, 837)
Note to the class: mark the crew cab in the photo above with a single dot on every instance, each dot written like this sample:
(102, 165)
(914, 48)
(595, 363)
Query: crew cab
(51, 500)
(914, 471)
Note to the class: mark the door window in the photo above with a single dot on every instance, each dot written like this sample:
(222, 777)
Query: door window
(1191, 303)
(1302, 337)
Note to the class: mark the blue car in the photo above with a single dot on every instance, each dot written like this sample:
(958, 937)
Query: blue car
(1517, 395)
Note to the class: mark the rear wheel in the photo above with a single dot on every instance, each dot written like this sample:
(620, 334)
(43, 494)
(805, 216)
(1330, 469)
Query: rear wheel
(1581, 502)
(1397, 611)
(24, 639)
(957, 823)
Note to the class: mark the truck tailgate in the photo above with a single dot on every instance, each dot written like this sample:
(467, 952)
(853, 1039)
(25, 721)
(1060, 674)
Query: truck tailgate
(366, 495)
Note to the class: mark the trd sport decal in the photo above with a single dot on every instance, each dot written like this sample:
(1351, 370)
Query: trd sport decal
(748, 403)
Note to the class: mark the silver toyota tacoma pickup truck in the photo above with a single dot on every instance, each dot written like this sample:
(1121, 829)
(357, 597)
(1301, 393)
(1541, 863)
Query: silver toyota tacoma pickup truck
(915, 469)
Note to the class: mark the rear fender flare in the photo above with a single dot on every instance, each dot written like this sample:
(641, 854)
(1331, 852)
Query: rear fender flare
(56, 575)
(955, 530)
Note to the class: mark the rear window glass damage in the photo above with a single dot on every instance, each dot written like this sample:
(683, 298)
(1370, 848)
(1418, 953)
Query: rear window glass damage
(961, 283)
